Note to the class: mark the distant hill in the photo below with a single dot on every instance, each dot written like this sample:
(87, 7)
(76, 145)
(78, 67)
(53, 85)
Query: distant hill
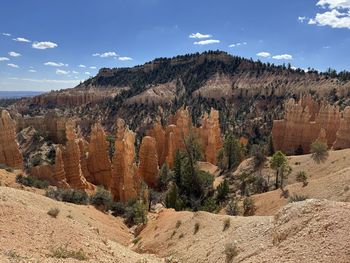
(18, 94)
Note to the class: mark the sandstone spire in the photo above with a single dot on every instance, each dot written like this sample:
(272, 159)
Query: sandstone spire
(148, 169)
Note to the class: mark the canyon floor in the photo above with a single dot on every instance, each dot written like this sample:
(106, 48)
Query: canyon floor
(315, 230)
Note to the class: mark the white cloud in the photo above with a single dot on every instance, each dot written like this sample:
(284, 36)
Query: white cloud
(21, 39)
(61, 72)
(263, 54)
(46, 80)
(302, 19)
(199, 35)
(14, 54)
(284, 56)
(82, 66)
(44, 45)
(32, 70)
(6, 34)
(93, 67)
(337, 15)
(106, 54)
(55, 64)
(87, 73)
(4, 59)
(124, 58)
(12, 65)
(238, 44)
(207, 42)
(75, 72)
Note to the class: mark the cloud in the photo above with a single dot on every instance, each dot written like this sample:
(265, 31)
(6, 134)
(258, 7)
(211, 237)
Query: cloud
(124, 58)
(46, 80)
(284, 56)
(32, 70)
(75, 72)
(14, 54)
(199, 35)
(207, 42)
(263, 54)
(82, 66)
(12, 65)
(44, 45)
(302, 19)
(6, 34)
(238, 44)
(55, 64)
(61, 72)
(93, 67)
(21, 39)
(87, 73)
(106, 54)
(336, 14)
(4, 59)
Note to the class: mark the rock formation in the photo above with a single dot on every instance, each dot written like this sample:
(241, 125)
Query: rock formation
(9, 149)
(71, 159)
(343, 134)
(302, 126)
(158, 133)
(60, 174)
(99, 164)
(148, 168)
(125, 181)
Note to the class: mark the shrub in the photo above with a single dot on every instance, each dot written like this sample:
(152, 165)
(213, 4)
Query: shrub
(230, 251)
(209, 205)
(297, 198)
(53, 212)
(101, 199)
(32, 181)
(223, 190)
(135, 213)
(257, 152)
(74, 196)
(227, 224)
(178, 223)
(196, 228)
(232, 208)
(118, 208)
(248, 207)
(319, 151)
(302, 178)
(64, 252)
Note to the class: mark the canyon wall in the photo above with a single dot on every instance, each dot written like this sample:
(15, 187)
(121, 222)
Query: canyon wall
(10, 154)
(306, 121)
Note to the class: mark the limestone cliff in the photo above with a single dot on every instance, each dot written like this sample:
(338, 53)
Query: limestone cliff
(9, 149)
(99, 164)
(148, 168)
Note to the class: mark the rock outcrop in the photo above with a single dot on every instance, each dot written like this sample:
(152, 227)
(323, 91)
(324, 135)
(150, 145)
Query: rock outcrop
(99, 164)
(9, 150)
(302, 126)
(125, 181)
(343, 134)
(148, 168)
(60, 174)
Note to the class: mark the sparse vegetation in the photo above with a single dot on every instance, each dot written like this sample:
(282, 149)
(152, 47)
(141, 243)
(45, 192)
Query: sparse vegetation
(178, 223)
(297, 198)
(227, 223)
(53, 212)
(64, 252)
(279, 163)
(6, 168)
(248, 207)
(232, 208)
(222, 191)
(68, 195)
(135, 213)
(319, 151)
(101, 199)
(230, 251)
(32, 181)
(302, 178)
(196, 228)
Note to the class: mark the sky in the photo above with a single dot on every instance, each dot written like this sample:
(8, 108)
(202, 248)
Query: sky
(49, 45)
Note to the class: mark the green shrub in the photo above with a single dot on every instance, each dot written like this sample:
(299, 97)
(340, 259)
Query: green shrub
(227, 224)
(319, 151)
(297, 198)
(209, 205)
(101, 199)
(196, 228)
(135, 213)
(230, 251)
(64, 252)
(223, 191)
(232, 208)
(248, 207)
(32, 181)
(118, 208)
(302, 178)
(74, 196)
(53, 212)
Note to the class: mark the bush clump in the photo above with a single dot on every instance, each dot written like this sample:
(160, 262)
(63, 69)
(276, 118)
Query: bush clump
(64, 252)
(297, 198)
(302, 178)
(248, 207)
(135, 213)
(74, 196)
(53, 212)
(230, 251)
(32, 181)
(101, 199)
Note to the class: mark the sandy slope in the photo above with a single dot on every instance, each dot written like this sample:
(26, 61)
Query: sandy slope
(309, 231)
(27, 230)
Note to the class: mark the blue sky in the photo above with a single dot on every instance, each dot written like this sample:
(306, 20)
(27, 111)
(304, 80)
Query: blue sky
(45, 44)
